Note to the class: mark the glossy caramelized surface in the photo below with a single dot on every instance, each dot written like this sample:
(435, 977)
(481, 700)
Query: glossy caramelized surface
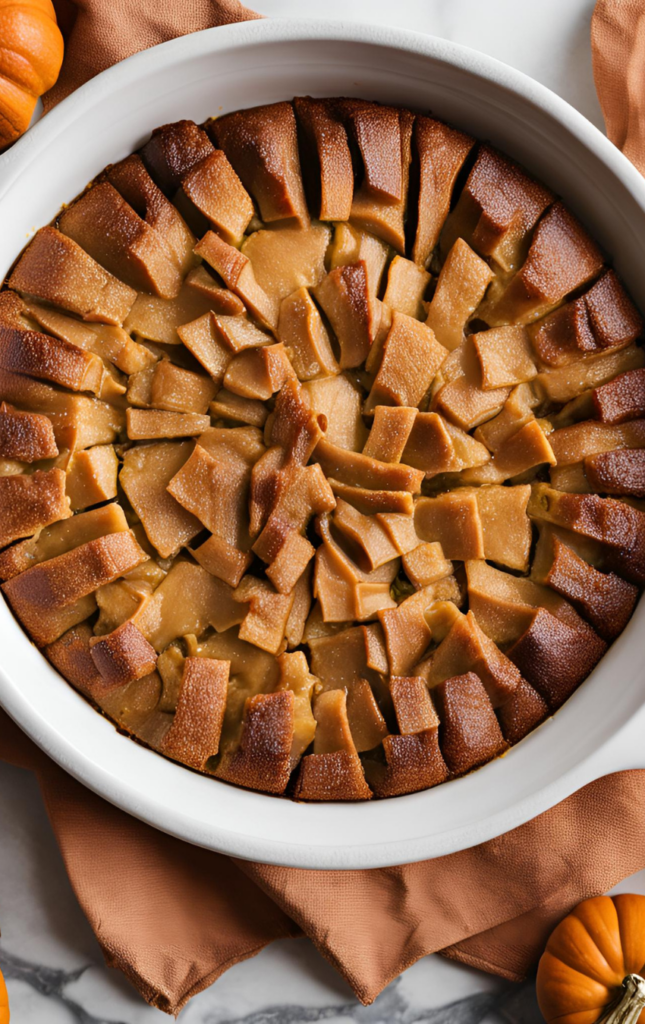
(322, 448)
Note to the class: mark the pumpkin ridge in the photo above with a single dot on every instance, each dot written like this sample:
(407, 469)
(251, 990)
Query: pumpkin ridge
(626, 927)
(5, 120)
(21, 67)
(603, 929)
(567, 1016)
(557, 982)
(576, 954)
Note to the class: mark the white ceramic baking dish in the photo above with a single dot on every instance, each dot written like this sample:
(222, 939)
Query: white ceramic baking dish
(601, 729)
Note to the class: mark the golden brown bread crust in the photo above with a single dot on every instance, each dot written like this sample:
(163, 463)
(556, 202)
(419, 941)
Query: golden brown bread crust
(617, 472)
(299, 494)
(12, 309)
(345, 299)
(499, 206)
(407, 633)
(564, 383)
(469, 734)
(266, 616)
(380, 203)
(524, 710)
(466, 648)
(236, 271)
(413, 762)
(360, 470)
(506, 196)
(376, 134)
(301, 329)
(334, 776)
(437, 446)
(61, 536)
(172, 150)
(258, 372)
(28, 503)
(297, 428)
(555, 658)
(145, 476)
(195, 732)
(27, 436)
(215, 190)
(78, 420)
(62, 581)
(413, 707)
(389, 433)
(604, 599)
(283, 503)
(366, 722)
(156, 424)
(133, 707)
(334, 732)
(131, 179)
(56, 269)
(453, 519)
(425, 564)
(588, 438)
(439, 154)
(108, 228)
(562, 336)
(366, 538)
(123, 655)
(370, 501)
(621, 399)
(262, 760)
(560, 259)
(222, 301)
(604, 317)
(213, 485)
(407, 286)
(70, 654)
(411, 358)
(326, 158)
(262, 145)
(618, 527)
(463, 282)
(41, 356)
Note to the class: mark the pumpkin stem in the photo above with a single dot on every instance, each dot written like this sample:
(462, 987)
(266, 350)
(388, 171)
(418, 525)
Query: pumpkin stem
(631, 1002)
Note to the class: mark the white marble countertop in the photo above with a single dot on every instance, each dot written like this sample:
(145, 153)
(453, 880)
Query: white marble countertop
(52, 963)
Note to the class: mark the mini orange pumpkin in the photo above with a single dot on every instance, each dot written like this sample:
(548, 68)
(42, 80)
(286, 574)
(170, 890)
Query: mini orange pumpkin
(4, 1002)
(590, 970)
(31, 54)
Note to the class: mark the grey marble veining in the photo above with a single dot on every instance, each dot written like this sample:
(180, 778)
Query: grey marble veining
(59, 988)
(51, 960)
(45, 981)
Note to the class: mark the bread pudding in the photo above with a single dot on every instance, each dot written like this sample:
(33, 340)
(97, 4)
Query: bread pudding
(322, 449)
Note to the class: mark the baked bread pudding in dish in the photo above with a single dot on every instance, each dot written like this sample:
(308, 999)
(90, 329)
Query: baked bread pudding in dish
(322, 448)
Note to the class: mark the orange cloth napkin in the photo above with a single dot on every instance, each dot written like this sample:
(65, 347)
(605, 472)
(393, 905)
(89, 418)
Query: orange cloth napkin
(618, 51)
(492, 906)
